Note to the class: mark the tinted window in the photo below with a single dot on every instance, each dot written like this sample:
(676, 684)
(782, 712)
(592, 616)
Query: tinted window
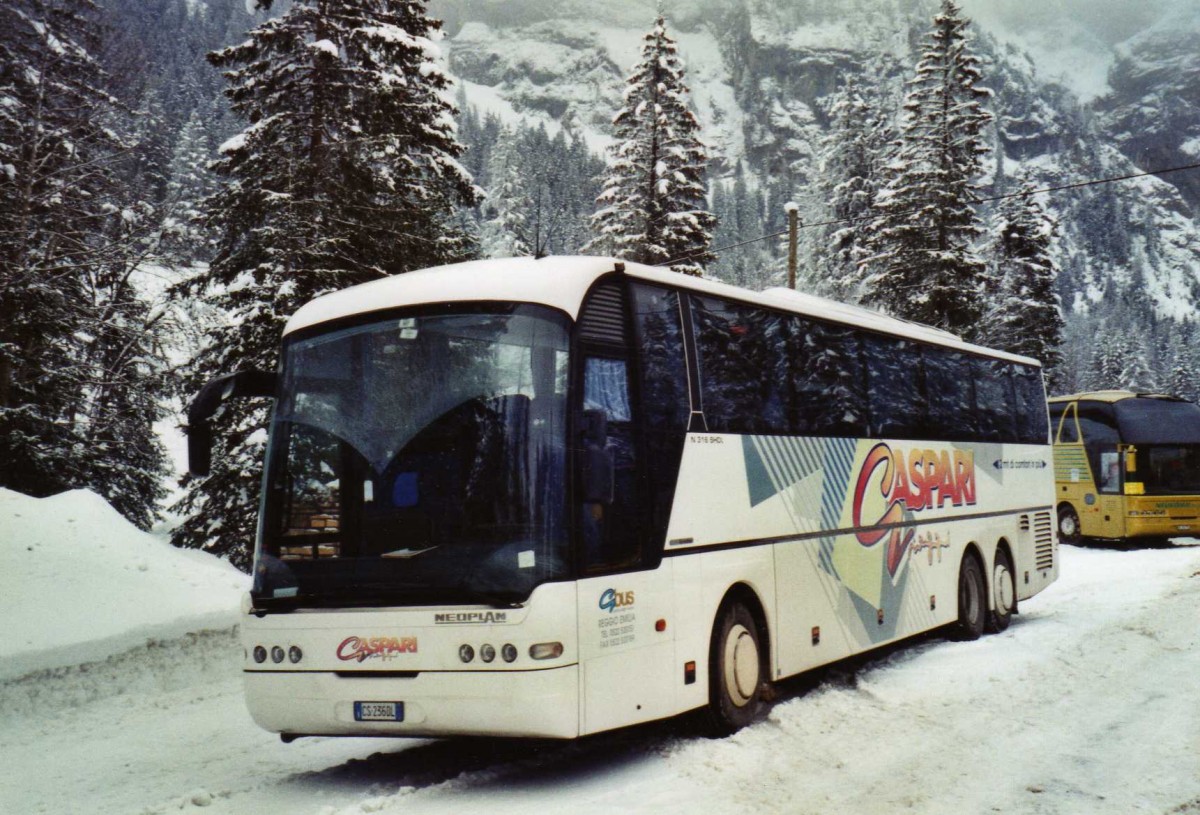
(950, 395)
(740, 352)
(1062, 416)
(828, 384)
(664, 394)
(896, 403)
(995, 403)
(1031, 404)
(1097, 423)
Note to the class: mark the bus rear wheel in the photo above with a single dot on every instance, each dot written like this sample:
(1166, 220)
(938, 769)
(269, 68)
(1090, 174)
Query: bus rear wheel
(1068, 525)
(972, 600)
(1004, 593)
(735, 671)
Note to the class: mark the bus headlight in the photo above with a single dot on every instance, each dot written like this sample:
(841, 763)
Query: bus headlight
(295, 654)
(509, 652)
(260, 654)
(487, 653)
(544, 650)
(466, 653)
(277, 654)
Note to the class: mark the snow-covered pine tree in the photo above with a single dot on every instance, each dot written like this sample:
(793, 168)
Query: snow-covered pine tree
(346, 172)
(1137, 373)
(852, 155)
(128, 378)
(59, 200)
(1108, 360)
(184, 238)
(654, 207)
(1026, 315)
(923, 266)
(507, 231)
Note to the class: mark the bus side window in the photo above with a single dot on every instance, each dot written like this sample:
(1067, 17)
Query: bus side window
(894, 377)
(1068, 431)
(826, 379)
(1031, 404)
(950, 395)
(742, 367)
(995, 403)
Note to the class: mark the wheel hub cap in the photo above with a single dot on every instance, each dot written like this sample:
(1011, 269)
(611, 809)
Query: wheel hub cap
(741, 665)
(1003, 589)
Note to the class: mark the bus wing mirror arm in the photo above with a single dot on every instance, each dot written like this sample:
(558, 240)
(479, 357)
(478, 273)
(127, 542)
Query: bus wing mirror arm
(599, 485)
(243, 384)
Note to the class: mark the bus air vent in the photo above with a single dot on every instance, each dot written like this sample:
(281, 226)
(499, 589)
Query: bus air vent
(603, 318)
(1043, 541)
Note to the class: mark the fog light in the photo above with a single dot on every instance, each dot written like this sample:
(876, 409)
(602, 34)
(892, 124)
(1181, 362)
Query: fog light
(277, 654)
(295, 654)
(466, 653)
(487, 653)
(546, 650)
(260, 654)
(509, 652)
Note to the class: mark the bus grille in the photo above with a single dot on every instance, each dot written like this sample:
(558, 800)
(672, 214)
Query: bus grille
(1043, 541)
(603, 318)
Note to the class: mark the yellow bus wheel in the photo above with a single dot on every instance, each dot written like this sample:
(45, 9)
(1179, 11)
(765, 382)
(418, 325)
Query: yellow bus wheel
(1068, 525)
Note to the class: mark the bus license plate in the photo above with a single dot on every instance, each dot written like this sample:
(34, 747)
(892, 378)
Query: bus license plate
(378, 711)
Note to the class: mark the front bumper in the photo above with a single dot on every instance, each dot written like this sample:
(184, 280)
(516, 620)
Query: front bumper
(534, 703)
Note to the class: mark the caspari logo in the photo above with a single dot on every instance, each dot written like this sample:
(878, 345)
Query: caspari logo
(914, 481)
(360, 649)
(471, 618)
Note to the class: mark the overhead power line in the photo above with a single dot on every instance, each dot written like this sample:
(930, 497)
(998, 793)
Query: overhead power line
(1024, 194)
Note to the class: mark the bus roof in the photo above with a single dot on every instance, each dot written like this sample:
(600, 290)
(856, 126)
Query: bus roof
(563, 282)
(1111, 396)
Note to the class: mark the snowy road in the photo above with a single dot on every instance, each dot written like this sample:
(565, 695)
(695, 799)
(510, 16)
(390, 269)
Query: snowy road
(1087, 704)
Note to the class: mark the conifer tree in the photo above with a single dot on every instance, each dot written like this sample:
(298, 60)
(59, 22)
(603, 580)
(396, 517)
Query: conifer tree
(1108, 360)
(1026, 316)
(852, 156)
(653, 208)
(923, 266)
(346, 172)
(75, 409)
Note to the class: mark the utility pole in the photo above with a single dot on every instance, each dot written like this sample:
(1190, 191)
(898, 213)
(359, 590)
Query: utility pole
(793, 213)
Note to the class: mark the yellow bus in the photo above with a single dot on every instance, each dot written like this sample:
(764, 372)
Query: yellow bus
(1126, 465)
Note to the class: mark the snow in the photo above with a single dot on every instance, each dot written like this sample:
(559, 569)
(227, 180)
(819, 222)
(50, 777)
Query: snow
(1083, 705)
(78, 583)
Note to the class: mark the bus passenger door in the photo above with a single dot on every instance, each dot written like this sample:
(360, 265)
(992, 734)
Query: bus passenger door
(624, 657)
(1103, 516)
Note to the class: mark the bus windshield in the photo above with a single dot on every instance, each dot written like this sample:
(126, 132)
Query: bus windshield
(418, 460)
(1171, 469)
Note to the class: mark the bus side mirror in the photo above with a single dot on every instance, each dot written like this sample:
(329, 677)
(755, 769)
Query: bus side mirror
(208, 401)
(599, 485)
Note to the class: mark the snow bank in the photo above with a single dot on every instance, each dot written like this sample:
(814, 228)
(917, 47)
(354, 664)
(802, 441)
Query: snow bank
(79, 583)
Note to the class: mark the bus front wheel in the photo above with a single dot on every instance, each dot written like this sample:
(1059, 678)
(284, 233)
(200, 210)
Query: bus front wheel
(735, 671)
(1004, 593)
(972, 600)
(1068, 525)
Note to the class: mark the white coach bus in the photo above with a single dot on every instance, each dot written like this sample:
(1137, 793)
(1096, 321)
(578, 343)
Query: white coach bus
(554, 497)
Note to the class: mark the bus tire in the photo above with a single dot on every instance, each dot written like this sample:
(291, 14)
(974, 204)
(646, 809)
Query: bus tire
(735, 671)
(972, 600)
(1068, 525)
(1004, 593)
